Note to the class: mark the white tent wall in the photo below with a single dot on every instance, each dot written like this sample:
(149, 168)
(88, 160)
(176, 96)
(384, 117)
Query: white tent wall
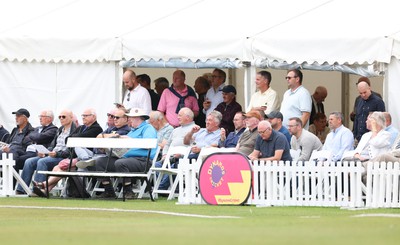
(39, 85)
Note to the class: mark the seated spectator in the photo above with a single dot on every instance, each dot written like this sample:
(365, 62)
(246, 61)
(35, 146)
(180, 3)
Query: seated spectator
(214, 94)
(372, 143)
(340, 139)
(248, 139)
(185, 117)
(160, 123)
(201, 86)
(204, 137)
(270, 145)
(319, 128)
(228, 108)
(232, 139)
(18, 140)
(3, 133)
(42, 135)
(134, 160)
(302, 139)
(390, 128)
(58, 150)
(276, 118)
(118, 127)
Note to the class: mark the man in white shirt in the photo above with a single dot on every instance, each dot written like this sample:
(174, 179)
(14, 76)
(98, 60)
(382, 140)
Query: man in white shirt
(214, 94)
(135, 96)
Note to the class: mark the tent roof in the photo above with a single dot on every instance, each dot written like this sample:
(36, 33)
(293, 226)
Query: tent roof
(335, 31)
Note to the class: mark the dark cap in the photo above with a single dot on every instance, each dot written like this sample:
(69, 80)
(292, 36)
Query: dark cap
(255, 114)
(275, 114)
(22, 111)
(229, 89)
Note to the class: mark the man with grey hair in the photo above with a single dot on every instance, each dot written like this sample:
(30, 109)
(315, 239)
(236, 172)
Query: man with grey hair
(270, 145)
(340, 139)
(185, 118)
(42, 135)
(390, 128)
(164, 129)
(204, 137)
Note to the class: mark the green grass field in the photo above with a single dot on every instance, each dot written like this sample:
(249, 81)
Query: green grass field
(65, 221)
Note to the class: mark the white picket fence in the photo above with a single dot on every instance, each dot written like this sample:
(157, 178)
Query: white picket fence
(307, 184)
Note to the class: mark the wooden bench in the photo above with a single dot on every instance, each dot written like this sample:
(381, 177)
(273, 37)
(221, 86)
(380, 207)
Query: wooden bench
(110, 143)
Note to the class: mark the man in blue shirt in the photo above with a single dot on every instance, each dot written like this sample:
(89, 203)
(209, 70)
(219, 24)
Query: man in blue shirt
(340, 139)
(276, 118)
(134, 160)
(233, 137)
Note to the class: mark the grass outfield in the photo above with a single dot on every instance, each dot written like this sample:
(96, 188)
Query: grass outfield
(59, 221)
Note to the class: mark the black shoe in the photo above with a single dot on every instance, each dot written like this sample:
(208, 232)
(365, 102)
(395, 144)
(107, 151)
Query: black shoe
(130, 195)
(107, 195)
(39, 192)
(17, 192)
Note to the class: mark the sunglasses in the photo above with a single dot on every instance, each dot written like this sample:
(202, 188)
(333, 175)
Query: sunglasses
(110, 115)
(62, 117)
(116, 118)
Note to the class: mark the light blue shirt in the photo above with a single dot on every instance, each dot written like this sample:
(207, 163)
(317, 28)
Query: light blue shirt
(145, 131)
(393, 133)
(294, 103)
(338, 141)
(203, 138)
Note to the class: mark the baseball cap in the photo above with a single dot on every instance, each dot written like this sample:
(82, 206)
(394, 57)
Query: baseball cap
(255, 114)
(275, 114)
(229, 89)
(22, 111)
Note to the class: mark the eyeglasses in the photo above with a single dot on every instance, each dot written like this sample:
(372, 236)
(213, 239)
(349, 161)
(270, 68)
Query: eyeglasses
(61, 117)
(86, 115)
(40, 116)
(110, 115)
(128, 96)
(288, 78)
(262, 132)
(116, 117)
(291, 126)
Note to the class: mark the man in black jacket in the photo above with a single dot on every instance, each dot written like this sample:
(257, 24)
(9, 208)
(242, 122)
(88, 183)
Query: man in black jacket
(18, 140)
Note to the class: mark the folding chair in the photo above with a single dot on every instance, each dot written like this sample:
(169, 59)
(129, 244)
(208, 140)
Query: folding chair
(166, 168)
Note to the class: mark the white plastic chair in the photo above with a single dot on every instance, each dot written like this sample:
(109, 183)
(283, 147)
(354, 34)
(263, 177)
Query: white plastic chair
(167, 169)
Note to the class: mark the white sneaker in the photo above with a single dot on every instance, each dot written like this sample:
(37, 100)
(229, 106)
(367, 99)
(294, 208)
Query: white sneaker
(85, 163)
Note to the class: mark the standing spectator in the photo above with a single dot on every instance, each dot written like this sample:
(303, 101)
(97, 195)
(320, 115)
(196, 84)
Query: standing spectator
(319, 127)
(369, 102)
(248, 139)
(302, 139)
(276, 118)
(318, 98)
(228, 108)
(232, 139)
(145, 82)
(201, 86)
(177, 96)
(296, 100)
(390, 128)
(361, 79)
(270, 145)
(265, 99)
(340, 139)
(214, 94)
(160, 84)
(135, 95)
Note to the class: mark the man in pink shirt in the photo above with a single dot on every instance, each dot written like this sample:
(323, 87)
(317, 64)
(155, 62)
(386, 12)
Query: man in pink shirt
(177, 96)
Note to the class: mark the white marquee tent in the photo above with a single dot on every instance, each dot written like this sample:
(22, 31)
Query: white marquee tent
(66, 53)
